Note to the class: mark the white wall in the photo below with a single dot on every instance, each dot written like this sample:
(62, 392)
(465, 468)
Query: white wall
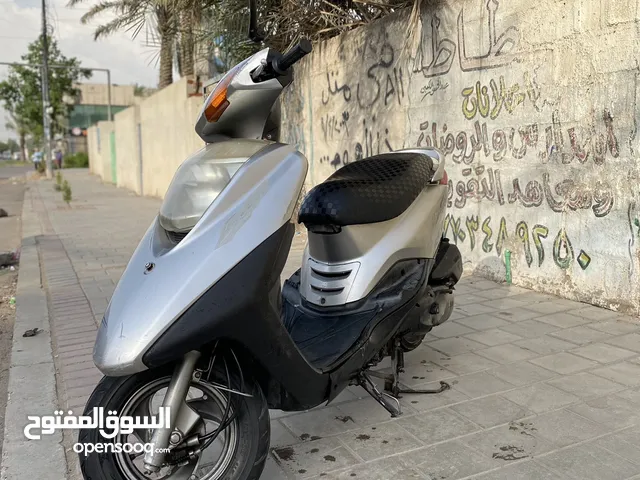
(168, 120)
(167, 137)
(99, 146)
(128, 156)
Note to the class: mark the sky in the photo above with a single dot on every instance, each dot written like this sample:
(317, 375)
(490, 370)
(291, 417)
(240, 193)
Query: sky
(129, 60)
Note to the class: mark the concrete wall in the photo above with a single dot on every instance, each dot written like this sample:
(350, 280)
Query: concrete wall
(99, 146)
(534, 106)
(105, 163)
(128, 153)
(168, 136)
(92, 150)
(152, 138)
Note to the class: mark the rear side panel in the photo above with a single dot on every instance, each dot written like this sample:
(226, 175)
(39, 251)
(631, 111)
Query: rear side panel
(344, 267)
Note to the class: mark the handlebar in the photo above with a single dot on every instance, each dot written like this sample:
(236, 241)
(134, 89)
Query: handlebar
(302, 48)
(277, 65)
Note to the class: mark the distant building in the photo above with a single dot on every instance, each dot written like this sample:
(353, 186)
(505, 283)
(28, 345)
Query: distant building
(91, 107)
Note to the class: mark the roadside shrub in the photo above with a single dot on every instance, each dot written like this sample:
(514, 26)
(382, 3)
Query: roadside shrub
(66, 192)
(76, 160)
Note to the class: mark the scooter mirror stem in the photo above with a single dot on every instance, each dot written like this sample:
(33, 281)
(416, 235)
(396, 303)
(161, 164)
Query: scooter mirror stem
(255, 34)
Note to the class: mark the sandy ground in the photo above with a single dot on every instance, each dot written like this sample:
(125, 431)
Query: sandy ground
(8, 281)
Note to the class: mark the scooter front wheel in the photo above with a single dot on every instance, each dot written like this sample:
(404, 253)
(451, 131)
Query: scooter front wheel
(238, 452)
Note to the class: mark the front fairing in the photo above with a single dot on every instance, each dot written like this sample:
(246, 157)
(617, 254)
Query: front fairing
(163, 279)
(250, 103)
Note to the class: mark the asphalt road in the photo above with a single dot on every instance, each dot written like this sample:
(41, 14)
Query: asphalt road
(8, 171)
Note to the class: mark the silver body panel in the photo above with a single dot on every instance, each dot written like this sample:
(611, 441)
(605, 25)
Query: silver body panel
(355, 259)
(259, 199)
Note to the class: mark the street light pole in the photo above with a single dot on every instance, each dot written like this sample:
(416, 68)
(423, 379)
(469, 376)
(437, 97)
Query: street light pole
(109, 96)
(46, 118)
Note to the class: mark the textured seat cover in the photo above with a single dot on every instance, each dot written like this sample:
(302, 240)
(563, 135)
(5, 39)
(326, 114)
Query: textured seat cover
(371, 190)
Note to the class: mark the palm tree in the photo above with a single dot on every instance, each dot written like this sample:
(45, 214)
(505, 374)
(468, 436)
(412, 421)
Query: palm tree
(224, 23)
(188, 22)
(219, 27)
(133, 16)
(188, 19)
(166, 31)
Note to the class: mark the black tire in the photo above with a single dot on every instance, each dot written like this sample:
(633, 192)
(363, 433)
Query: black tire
(252, 416)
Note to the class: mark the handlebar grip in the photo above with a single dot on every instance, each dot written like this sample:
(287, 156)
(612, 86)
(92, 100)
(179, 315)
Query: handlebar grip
(296, 53)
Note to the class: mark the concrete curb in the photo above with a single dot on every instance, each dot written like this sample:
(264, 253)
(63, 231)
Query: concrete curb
(32, 374)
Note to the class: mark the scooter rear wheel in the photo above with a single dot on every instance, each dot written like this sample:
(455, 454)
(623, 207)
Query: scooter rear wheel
(238, 453)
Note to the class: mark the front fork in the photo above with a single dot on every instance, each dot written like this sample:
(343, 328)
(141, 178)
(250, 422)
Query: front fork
(180, 415)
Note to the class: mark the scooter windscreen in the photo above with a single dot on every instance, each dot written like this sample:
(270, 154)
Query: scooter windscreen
(201, 179)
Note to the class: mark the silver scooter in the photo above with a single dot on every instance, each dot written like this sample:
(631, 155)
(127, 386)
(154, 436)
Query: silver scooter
(199, 322)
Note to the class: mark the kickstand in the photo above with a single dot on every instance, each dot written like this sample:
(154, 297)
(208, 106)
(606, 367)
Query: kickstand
(391, 404)
(392, 381)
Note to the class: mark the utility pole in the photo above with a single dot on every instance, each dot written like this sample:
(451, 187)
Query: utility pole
(46, 111)
(109, 117)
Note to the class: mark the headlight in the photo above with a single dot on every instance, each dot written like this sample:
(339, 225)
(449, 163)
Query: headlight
(200, 179)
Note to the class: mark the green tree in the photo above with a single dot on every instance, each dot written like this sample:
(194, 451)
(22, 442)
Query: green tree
(13, 146)
(21, 91)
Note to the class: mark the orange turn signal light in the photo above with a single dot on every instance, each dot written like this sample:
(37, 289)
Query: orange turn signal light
(218, 102)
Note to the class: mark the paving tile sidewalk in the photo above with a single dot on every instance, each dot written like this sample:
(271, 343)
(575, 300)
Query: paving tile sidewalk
(541, 387)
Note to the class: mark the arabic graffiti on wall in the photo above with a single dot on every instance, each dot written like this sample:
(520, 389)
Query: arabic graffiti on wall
(580, 145)
(432, 87)
(503, 49)
(334, 125)
(509, 143)
(383, 83)
(566, 195)
(476, 99)
(368, 139)
(492, 235)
